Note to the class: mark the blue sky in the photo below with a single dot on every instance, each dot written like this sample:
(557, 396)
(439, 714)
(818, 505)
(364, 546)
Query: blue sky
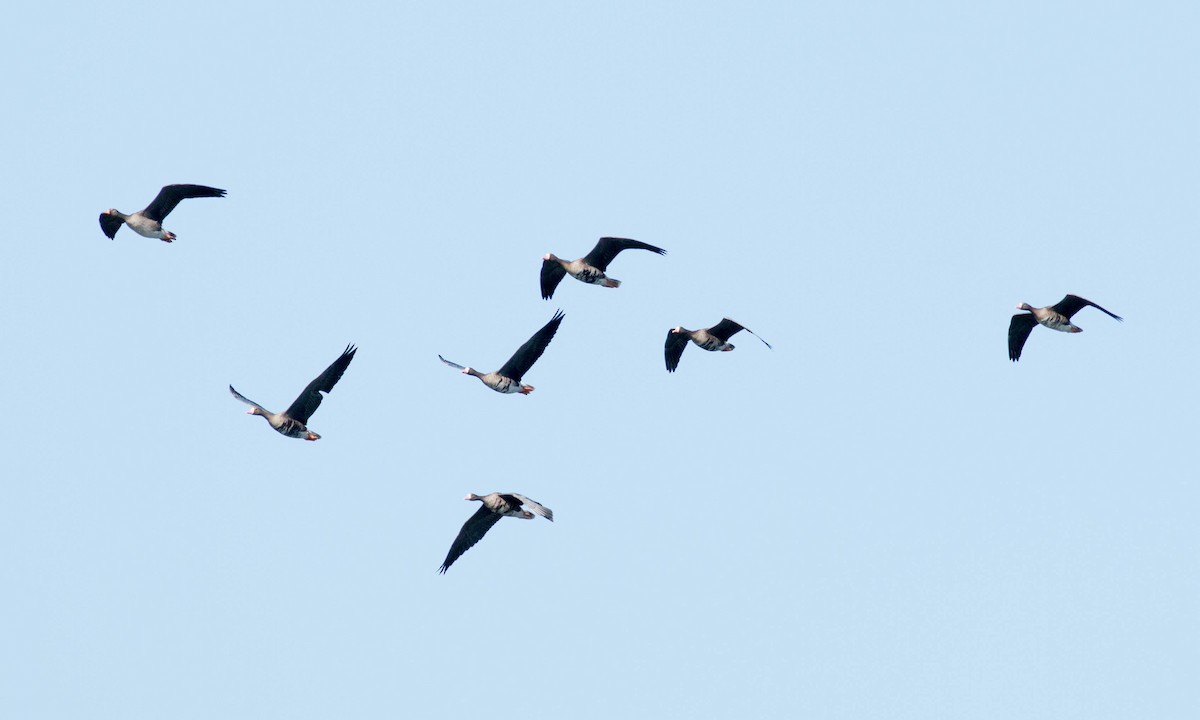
(881, 517)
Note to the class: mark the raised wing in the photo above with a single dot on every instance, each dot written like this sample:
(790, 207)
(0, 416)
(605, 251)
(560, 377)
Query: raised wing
(674, 347)
(110, 224)
(725, 329)
(527, 354)
(1072, 304)
(453, 365)
(534, 506)
(1018, 332)
(248, 401)
(169, 197)
(472, 532)
(552, 275)
(308, 402)
(608, 247)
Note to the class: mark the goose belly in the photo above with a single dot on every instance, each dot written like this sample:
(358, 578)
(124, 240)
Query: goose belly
(1060, 324)
(590, 275)
(145, 227)
(502, 384)
(290, 428)
(711, 344)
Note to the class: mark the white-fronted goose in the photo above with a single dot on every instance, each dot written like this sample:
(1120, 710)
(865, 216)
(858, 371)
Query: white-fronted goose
(293, 421)
(1055, 317)
(715, 338)
(589, 268)
(148, 222)
(495, 506)
(508, 378)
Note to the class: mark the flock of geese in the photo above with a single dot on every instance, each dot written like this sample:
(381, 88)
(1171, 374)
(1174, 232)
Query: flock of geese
(590, 269)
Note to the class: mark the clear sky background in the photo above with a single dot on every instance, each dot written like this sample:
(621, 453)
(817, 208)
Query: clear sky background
(882, 517)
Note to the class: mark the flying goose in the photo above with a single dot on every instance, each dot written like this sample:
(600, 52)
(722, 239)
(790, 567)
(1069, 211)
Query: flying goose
(148, 222)
(495, 506)
(590, 268)
(1055, 317)
(293, 421)
(714, 338)
(508, 378)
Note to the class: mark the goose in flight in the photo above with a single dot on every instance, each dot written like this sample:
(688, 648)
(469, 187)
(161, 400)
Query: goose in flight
(148, 222)
(508, 378)
(494, 507)
(293, 421)
(715, 338)
(589, 268)
(1055, 317)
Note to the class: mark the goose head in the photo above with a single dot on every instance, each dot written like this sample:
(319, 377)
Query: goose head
(727, 348)
(472, 496)
(549, 256)
(255, 411)
(310, 435)
(1024, 306)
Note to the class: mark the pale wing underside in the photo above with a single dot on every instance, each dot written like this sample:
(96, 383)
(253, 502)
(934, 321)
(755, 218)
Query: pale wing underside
(247, 400)
(452, 364)
(535, 507)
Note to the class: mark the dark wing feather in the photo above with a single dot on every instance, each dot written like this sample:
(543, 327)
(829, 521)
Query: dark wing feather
(309, 400)
(725, 329)
(1072, 304)
(1018, 332)
(169, 197)
(110, 224)
(673, 350)
(728, 328)
(552, 275)
(608, 247)
(527, 354)
(472, 532)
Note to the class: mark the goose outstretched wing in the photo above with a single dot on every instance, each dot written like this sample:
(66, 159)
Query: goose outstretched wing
(527, 354)
(308, 402)
(534, 506)
(248, 401)
(171, 195)
(1072, 304)
(110, 224)
(673, 349)
(1018, 332)
(608, 247)
(472, 532)
(552, 274)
